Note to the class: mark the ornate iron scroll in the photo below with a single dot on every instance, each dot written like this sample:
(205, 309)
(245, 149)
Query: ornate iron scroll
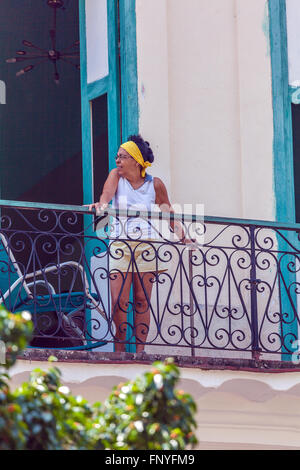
(128, 280)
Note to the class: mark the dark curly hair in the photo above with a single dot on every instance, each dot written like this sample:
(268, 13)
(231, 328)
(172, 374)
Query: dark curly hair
(144, 147)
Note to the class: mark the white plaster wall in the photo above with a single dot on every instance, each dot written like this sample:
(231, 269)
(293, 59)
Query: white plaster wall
(235, 409)
(153, 82)
(96, 26)
(255, 110)
(203, 105)
(205, 102)
(293, 18)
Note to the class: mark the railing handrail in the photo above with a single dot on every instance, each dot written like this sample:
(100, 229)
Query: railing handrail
(251, 280)
(150, 214)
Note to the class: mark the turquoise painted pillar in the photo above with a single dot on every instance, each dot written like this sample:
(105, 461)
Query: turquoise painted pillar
(283, 162)
(129, 93)
(128, 52)
(121, 89)
(108, 85)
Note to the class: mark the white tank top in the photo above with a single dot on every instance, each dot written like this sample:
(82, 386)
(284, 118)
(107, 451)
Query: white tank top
(141, 199)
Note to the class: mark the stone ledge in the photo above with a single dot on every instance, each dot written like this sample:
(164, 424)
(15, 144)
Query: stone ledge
(205, 363)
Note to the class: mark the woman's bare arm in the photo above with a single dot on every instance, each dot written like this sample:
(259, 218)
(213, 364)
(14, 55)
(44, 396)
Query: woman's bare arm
(162, 200)
(109, 190)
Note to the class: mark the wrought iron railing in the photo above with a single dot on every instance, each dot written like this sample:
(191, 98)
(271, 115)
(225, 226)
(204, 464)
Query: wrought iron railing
(124, 280)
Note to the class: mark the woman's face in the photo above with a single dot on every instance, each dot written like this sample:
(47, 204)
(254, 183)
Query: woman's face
(125, 163)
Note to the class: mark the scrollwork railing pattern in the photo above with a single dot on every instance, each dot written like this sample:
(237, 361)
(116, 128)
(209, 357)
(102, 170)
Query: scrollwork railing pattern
(236, 291)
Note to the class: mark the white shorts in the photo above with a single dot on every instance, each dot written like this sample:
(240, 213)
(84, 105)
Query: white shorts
(135, 256)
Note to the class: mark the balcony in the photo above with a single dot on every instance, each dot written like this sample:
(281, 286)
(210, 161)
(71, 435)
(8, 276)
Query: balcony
(231, 298)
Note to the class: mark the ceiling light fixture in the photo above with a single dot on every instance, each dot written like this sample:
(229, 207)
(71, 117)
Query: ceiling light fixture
(68, 54)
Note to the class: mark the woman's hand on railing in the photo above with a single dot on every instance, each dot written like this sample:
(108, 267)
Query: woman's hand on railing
(191, 243)
(98, 207)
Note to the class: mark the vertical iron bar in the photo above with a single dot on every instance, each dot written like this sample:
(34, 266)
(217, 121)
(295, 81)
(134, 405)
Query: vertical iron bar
(191, 303)
(253, 284)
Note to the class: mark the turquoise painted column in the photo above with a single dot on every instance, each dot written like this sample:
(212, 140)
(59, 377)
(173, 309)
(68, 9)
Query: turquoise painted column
(129, 91)
(283, 159)
(283, 141)
(85, 112)
(108, 85)
(87, 169)
(120, 86)
(129, 81)
(89, 91)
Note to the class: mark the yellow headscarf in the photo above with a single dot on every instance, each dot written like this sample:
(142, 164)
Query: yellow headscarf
(135, 153)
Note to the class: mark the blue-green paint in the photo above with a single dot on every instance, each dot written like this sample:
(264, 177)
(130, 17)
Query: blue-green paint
(110, 85)
(113, 103)
(130, 108)
(85, 112)
(128, 92)
(129, 87)
(86, 132)
(283, 141)
(98, 88)
(91, 91)
(155, 215)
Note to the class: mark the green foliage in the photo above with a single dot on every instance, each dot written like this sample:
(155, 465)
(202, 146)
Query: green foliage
(42, 414)
(52, 417)
(15, 332)
(148, 413)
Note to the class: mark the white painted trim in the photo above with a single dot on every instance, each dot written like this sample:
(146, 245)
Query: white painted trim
(78, 373)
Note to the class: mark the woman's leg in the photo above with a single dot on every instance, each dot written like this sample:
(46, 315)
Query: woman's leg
(142, 286)
(120, 284)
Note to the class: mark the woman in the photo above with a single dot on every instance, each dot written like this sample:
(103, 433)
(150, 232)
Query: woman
(132, 262)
